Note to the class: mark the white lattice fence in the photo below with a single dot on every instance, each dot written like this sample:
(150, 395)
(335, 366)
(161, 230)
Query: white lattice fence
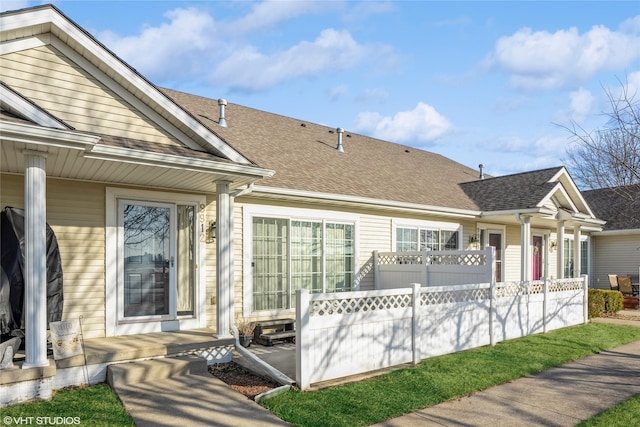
(344, 334)
(394, 270)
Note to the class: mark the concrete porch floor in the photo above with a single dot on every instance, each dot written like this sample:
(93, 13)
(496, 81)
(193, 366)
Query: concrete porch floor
(107, 350)
(141, 346)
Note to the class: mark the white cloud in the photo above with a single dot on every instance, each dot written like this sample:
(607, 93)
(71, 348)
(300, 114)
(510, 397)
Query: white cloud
(543, 60)
(337, 92)
(420, 125)
(249, 69)
(177, 48)
(268, 14)
(581, 105)
(376, 95)
(191, 45)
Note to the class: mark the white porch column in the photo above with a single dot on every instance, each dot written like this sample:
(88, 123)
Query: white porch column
(35, 259)
(525, 245)
(560, 247)
(224, 261)
(577, 255)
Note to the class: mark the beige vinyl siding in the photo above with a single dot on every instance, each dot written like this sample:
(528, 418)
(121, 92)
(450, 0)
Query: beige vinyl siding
(375, 235)
(210, 267)
(75, 212)
(58, 85)
(512, 253)
(614, 254)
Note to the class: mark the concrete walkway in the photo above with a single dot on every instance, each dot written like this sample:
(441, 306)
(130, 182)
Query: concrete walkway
(561, 396)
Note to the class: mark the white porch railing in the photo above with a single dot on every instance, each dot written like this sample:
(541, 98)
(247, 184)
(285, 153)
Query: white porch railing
(342, 334)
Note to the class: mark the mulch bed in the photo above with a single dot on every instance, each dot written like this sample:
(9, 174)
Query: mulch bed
(241, 379)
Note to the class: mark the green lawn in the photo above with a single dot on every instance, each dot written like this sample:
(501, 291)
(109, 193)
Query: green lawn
(366, 402)
(438, 379)
(97, 405)
(623, 415)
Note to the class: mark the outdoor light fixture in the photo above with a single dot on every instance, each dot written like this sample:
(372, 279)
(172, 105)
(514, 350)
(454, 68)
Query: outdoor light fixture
(211, 232)
(473, 238)
(553, 245)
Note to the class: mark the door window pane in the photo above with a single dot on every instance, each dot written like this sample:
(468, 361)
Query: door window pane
(406, 239)
(270, 261)
(185, 259)
(306, 256)
(146, 260)
(340, 257)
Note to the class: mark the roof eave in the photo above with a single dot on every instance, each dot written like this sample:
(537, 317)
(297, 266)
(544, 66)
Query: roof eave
(340, 199)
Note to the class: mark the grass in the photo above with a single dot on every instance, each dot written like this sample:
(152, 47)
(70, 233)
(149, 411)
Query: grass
(97, 405)
(442, 378)
(623, 415)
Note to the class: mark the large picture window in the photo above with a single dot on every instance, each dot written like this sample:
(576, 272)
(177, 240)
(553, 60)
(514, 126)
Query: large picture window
(290, 254)
(431, 238)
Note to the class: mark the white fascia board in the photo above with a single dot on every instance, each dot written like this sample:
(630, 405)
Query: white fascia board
(126, 155)
(33, 134)
(631, 231)
(13, 101)
(384, 204)
(559, 188)
(562, 173)
(61, 24)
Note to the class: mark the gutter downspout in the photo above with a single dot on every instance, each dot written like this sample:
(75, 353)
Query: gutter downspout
(266, 369)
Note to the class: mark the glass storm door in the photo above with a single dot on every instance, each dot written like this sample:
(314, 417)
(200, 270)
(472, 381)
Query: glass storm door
(157, 253)
(148, 259)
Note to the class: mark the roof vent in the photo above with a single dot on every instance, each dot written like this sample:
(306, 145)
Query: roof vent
(481, 166)
(339, 147)
(222, 103)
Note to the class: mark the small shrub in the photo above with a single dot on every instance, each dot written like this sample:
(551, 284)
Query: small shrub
(596, 303)
(613, 301)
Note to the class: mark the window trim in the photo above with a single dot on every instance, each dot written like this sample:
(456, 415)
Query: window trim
(431, 225)
(290, 214)
(583, 238)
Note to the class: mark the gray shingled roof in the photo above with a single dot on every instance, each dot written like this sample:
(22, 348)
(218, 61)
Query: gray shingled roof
(305, 158)
(519, 191)
(619, 206)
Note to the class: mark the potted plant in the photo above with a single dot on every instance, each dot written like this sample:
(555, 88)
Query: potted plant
(245, 332)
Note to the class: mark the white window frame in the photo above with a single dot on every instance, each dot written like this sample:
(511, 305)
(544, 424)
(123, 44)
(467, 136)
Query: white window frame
(291, 214)
(583, 238)
(430, 225)
(114, 327)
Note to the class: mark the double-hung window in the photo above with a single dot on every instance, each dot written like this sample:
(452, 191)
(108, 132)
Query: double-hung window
(427, 236)
(289, 253)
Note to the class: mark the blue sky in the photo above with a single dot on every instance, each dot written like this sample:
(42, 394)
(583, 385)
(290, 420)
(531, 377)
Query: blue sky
(478, 82)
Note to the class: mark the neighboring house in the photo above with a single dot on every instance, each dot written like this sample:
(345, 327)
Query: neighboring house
(174, 211)
(615, 249)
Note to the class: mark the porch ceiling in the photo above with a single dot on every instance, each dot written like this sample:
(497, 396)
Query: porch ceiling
(125, 167)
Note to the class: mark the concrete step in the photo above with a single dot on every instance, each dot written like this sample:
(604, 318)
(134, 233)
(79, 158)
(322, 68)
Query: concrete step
(154, 369)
